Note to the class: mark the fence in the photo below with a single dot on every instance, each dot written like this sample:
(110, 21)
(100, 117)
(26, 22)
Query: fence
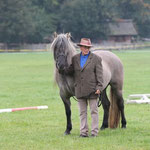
(24, 47)
(46, 47)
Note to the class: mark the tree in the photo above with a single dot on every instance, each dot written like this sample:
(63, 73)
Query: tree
(15, 20)
(139, 11)
(86, 18)
(23, 22)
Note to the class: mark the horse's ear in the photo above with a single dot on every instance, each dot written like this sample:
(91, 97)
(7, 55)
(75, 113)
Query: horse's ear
(69, 35)
(55, 35)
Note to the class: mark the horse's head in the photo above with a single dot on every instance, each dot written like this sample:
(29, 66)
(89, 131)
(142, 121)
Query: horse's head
(63, 50)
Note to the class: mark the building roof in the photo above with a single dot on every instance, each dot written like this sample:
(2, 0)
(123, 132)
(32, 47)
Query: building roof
(122, 27)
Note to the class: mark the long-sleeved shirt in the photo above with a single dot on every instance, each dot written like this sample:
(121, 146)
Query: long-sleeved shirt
(83, 59)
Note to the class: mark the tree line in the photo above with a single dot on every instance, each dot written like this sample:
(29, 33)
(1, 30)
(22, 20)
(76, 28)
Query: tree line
(34, 21)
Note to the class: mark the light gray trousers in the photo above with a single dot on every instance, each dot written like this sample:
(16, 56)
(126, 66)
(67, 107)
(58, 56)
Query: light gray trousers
(83, 105)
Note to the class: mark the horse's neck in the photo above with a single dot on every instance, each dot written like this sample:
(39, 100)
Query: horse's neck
(71, 54)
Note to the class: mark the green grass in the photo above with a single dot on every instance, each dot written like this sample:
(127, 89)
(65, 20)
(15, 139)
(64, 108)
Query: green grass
(26, 79)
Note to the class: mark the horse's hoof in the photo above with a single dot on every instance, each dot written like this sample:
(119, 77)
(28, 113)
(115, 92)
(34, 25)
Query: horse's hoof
(67, 133)
(103, 128)
(123, 127)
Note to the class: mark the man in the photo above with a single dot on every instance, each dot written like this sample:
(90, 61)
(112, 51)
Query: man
(87, 68)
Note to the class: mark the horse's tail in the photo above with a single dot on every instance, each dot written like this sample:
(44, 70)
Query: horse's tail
(114, 112)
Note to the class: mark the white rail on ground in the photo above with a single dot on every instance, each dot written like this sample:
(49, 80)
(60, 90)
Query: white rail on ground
(138, 99)
(23, 108)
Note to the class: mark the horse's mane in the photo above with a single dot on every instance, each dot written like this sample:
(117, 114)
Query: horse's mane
(63, 40)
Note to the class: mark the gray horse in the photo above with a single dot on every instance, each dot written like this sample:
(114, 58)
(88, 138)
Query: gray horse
(63, 51)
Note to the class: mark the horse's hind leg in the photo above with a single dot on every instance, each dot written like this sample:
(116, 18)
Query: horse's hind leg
(120, 103)
(67, 105)
(106, 105)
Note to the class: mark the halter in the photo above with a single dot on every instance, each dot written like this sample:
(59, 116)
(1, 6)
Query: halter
(61, 54)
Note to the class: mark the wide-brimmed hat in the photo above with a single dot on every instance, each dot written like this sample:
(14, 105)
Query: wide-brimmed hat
(85, 42)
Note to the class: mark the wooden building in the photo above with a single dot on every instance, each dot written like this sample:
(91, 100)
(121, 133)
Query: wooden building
(121, 31)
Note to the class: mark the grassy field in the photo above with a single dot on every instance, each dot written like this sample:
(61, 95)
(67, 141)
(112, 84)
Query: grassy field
(26, 79)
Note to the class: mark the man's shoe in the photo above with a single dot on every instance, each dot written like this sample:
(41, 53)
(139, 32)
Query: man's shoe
(92, 135)
(81, 135)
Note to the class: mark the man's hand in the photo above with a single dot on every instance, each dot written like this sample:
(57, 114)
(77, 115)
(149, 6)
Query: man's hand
(97, 92)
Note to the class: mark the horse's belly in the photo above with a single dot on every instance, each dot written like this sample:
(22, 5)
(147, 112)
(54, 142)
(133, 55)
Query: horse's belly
(106, 75)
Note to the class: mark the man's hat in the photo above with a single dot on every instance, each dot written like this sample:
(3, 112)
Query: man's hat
(85, 42)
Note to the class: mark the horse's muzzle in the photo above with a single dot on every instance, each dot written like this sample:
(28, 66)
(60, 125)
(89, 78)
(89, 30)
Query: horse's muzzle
(60, 66)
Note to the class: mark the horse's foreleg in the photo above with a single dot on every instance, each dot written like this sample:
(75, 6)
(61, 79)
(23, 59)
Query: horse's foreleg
(67, 105)
(106, 105)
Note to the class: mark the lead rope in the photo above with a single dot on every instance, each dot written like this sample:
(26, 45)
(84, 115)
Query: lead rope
(99, 103)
